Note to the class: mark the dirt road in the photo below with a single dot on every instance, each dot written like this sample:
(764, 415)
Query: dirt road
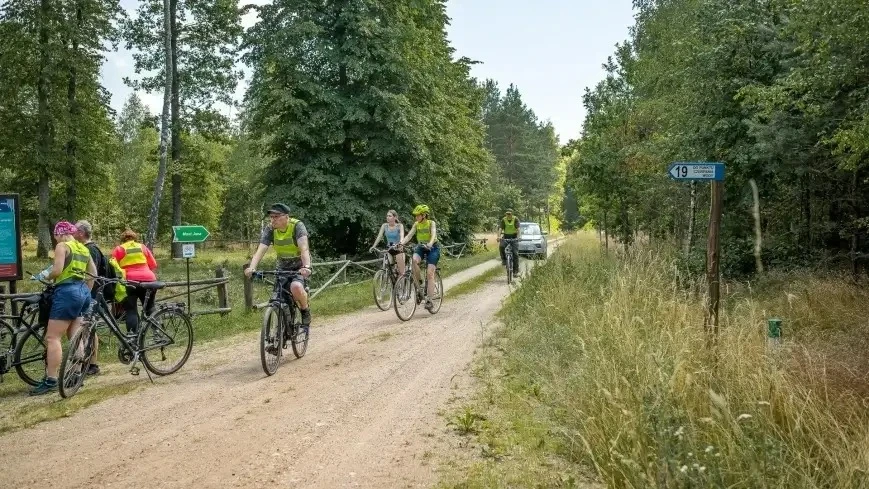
(359, 410)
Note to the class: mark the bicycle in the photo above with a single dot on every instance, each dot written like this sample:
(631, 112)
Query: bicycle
(508, 253)
(134, 346)
(26, 353)
(279, 323)
(384, 279)
(406, 292)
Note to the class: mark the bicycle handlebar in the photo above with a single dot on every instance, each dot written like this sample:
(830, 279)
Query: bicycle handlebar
(286, 273)
(402, 248)
(43, 282)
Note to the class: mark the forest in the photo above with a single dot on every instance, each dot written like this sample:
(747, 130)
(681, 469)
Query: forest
(778, 90)
(352, 108)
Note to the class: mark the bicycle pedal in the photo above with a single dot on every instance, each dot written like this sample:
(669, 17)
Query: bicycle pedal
(134, 371)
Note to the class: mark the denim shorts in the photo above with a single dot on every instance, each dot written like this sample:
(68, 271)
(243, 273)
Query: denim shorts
(70, 301)
(431, 256)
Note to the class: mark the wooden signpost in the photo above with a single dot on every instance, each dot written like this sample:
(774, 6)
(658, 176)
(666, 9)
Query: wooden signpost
(713, 172)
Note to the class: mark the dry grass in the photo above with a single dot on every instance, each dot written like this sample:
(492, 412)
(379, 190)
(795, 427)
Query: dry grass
(603, 369)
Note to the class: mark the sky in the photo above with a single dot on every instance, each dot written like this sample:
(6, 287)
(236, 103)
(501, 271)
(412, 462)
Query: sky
(550, 49)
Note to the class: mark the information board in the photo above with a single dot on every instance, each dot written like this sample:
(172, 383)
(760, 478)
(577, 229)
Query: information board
(10, 237)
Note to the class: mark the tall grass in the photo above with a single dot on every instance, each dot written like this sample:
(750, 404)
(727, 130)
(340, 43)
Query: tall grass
(606, 369)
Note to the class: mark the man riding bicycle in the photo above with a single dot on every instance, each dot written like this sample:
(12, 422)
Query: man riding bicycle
(289, 237)
(509, 229)
(427, 248)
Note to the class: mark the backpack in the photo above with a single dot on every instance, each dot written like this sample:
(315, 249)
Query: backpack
(108, 269)
(112, 292)
(98, 257)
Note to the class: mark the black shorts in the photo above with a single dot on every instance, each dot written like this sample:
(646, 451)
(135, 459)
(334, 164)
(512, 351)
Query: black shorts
(282, 287)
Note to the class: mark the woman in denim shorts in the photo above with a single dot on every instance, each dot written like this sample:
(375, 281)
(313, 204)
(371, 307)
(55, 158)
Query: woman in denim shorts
(70, 300)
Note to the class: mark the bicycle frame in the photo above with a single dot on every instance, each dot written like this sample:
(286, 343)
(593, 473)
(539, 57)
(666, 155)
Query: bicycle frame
(508, 250)
(389, 266)
(102, 309)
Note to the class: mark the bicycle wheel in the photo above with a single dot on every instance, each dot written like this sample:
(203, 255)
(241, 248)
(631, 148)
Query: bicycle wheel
(509, 269)
(299, 339)
(166, 341)
(29, 357)
(8, 342)
(270, 340)
(382, 288)
(404, 297)
(76, 359)
(438, 297)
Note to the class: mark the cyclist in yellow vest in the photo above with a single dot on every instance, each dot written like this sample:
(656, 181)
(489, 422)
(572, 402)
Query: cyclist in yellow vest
(427, 247)
(70, 300)
(289, 238)
(509, 230)
(138, 264)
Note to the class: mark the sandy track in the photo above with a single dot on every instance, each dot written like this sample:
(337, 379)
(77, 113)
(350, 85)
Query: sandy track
(359, 410)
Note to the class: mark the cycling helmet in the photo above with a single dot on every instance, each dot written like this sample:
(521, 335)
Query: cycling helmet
(421, 209)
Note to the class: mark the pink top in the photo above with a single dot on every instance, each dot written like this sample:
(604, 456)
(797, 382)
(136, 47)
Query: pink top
(139, 273)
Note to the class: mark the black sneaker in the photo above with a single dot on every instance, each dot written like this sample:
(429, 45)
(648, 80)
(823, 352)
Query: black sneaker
(93, 369)
(44, 386)
(306, 317)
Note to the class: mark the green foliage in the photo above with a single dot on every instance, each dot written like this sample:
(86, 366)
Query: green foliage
(55, 131)
(772, 89)
(207, 33)
(363, 104)
(525, 150)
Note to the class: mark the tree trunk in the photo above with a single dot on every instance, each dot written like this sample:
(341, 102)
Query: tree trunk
(758, 236)
(807, 213)
(46, 133)
(176, 127)
(72, 103)
(606, 234)
(153, 217)
(44, 244)
(692, 218)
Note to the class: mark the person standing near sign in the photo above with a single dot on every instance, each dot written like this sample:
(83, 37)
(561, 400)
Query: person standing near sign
(289, 238)
(70, 300)
(138, 264)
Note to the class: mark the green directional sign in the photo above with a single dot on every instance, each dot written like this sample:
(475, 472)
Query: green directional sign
(189, 234)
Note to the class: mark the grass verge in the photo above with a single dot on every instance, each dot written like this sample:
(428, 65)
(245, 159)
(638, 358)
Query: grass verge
(475, 283)
(52, 407)
(601, 373)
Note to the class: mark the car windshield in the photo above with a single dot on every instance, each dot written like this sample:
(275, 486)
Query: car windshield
(529, 230)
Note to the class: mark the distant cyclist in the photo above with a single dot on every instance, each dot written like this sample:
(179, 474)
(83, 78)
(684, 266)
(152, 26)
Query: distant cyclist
(509, 229)
(393, 231)
(289, 237)
(427, 247)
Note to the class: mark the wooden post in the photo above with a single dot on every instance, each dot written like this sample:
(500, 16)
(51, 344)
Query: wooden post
(713, 257)
(248, 290)
(222, 300)
(344, 276)
(13, 289)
